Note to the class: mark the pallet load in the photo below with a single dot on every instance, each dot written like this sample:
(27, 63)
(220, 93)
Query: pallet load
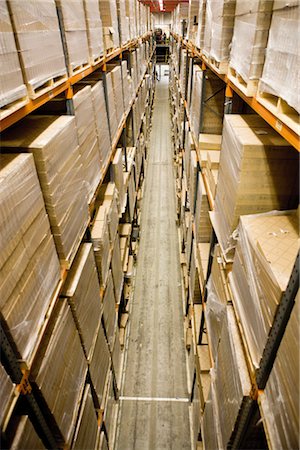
(25, 436)
(94, 30)
(219, 23)
(202, 221)
(117, 271)
(123, 22)
(12, 84)
(279, 88)
(86, 432)
(39, 44)
(83, 293)
(265, 255)
(130, 9)
(109, 312)
(117, 176)
(249, 41)
(116, 76)
(201, 24)
(87, 138)
(74, 31)
(110, 105)
(60, 175)
(109, 17)
(62, 352)
(101, 244)
(29, 265)
(258, 173)
(193, 20)
(280, 400)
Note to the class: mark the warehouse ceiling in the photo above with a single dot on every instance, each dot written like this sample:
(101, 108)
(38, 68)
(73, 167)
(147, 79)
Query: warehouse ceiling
(163, 5)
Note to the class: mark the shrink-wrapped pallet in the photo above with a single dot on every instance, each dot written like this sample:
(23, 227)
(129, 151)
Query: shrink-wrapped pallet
(123, 22)
(101, 122)
(202, 221)
(116, 359)
(74, 31)
(266, 252)
(117, 85)
(249, 41)
(54, 144)
(101, 244)
(25, 436)
(109, 311)
(94, 30)
(230, 385)
(127, 86)
(219, 23)
(12, 83)
(61, 372)
(201, 24)
(280, 403)
(39, 44)
(117, 270)
(194, 286)
(82, 290)
(210, 432)
(108, 197)
(87, 137)
(110, 410)
(86, 431)
(282, 59)
(203, 252)
(100, 366)
(29, 265)
(109, 17)
(6, 392)
(193, 20)
(258, 173)
(117, 176)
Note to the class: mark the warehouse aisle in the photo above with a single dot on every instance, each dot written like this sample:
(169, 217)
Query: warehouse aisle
(154, 405)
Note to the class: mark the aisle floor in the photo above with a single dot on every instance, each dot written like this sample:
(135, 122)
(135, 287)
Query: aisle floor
(154, 410)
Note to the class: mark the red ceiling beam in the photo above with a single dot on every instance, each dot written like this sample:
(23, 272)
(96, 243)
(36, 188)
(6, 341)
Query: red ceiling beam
(169, 5)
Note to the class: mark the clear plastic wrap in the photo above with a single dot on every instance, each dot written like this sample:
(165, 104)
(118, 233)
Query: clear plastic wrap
(12, 83)
(83, 293)
(25, 436)
(266, 252)
(249, 41)
(100, 365)
(280, 72)
(94, 29)
(109, 17)
(86, 432)
(109, 311)
(30, 269)
(258, 172)
(75, 31)
(281, 405)
(38, 40)
(62, 372)
(117, 270)
(59, 172)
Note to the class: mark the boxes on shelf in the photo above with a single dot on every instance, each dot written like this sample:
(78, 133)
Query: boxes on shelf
(280, 400)
(219, 23)
(210, 431)
(201, 24)
(62, 386)
(265, 255)
(39, 44)
(209, 144)
(94, 30)
(194, 285)
(86, 431)
(87, 137)
(29, 265)
(109, 311)
(117, 270)
(123, 22)
(258, 173)
(12, 83)
(83, 293)
(60, 175)
(74, 31)
(203, 228)
(193, 20)
(278, 87)
(117, 175)
(249, 41)
(25, 436)
(109, 17)
(117, 359)
(99, 367)
(203, 256)
(110, 105)
(101, 244)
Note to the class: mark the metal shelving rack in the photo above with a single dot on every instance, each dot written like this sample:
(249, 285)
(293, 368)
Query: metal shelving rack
(16, 369)
(250, 408)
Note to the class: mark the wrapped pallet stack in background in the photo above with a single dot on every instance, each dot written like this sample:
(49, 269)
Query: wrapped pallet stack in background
(94, 25)
(109, 17)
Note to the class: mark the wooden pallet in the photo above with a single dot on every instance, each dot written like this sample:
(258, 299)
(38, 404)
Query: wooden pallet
(12, 107)
(249, 88)
(98, 60)
(277, 106)
(36, 91)
(77, 69)
(221, 67)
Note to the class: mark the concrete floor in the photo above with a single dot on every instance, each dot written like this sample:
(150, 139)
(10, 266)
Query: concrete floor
(154, 398)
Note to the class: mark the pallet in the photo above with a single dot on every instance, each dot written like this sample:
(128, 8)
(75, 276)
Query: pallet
(249, 88)
(12, 107)
(96, 61)
(35, 92)
(279, 107)
(221, 67)
(77, 69)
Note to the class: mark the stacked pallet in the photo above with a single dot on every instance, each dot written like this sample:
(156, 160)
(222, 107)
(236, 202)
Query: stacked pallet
(109, 17)
(39, 44)
(29, 264)
(117, 176)
(264, 175)
(74, 32)
(87, 138)
(12, 83)
(94, 27)
(59, 173)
